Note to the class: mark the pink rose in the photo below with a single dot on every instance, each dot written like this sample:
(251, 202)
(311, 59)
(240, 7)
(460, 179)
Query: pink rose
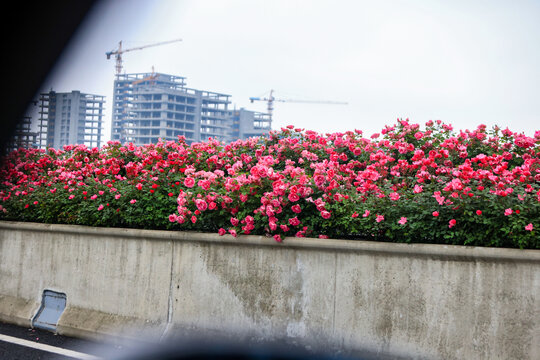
(293, 197)
(294, 221)
(189, 182)
(201, 204)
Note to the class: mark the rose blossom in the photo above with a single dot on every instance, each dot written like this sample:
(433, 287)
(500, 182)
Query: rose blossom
(294, 221)
(296, 209)
(201, 204)
(189, 182)
(293, 197)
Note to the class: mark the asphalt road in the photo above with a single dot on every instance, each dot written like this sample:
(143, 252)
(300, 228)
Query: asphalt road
(20, 343)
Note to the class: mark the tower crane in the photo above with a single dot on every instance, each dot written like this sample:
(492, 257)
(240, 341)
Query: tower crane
(118, 52)
(271, 99)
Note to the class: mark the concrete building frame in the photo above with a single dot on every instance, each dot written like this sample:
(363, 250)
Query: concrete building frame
(70, 118)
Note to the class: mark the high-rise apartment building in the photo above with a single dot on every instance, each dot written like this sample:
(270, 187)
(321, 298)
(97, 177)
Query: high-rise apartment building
(247, 123)
(23, 136)
(152, 106)
(70, 119)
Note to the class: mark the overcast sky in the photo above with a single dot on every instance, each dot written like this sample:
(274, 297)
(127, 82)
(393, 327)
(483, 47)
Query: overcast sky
(464, 62)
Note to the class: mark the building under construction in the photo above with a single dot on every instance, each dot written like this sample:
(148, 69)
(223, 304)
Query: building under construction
(152, 106)
(70, 119)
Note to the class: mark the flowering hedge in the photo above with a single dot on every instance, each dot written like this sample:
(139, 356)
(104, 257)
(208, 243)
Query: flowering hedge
(407, 184)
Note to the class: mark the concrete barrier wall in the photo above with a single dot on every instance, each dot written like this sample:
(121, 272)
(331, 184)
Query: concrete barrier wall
(423, 301)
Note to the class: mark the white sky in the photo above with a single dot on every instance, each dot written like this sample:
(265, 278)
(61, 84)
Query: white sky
(464, 62)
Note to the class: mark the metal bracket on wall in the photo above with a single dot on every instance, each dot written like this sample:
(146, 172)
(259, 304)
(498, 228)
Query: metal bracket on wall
(52, 306)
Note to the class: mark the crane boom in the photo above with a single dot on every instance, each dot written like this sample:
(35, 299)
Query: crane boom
(271, 99)
(118, 52)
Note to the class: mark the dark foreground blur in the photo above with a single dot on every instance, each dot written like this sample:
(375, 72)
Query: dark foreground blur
(175, 349)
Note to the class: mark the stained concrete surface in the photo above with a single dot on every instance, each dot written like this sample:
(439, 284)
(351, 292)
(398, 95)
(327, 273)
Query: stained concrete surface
(425, 301)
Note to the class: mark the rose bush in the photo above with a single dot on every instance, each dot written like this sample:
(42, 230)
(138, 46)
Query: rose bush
(406, 184)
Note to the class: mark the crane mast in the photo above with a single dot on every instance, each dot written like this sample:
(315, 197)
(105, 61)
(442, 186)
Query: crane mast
(118, 52)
